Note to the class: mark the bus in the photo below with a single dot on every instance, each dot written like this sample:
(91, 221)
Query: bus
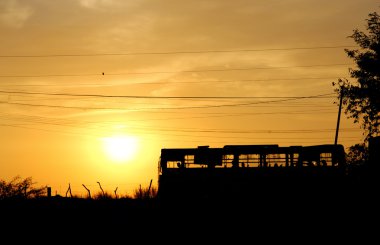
(246, 170)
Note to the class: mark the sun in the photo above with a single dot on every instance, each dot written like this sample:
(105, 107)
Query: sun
(120, 148)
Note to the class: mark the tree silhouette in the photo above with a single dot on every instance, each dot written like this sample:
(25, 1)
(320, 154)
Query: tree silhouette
(361, 95)
(20, 188)
(357, 155)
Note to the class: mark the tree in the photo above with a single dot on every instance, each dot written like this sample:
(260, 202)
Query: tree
(360, 97)
(20, 188)
(357, 155)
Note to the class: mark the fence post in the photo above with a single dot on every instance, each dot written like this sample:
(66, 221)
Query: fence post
(48, 191)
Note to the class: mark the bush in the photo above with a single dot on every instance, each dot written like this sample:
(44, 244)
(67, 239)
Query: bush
(21, 189)
(145, 193)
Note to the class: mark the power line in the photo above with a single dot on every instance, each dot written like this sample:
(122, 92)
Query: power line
(84, 124)
(60, 106)
(162, 72)
(165, 97)
(204, 136)
(176, 82)
(223, 131)
(173, 52)
(234, 80)
(171, 108)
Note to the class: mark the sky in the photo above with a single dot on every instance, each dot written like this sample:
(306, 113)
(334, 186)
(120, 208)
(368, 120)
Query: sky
(92, 90)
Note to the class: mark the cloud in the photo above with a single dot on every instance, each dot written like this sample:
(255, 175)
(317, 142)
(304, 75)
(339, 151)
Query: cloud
(13, 13)
(95, 3)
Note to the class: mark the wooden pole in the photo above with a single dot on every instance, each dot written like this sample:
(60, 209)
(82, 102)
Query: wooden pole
(150, 185)
(101, 188)
(48, 191)
(115, 192)
(69, 191)
(89, 193)
(338, 121)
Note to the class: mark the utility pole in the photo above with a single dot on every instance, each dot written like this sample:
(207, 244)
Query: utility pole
(338, 121)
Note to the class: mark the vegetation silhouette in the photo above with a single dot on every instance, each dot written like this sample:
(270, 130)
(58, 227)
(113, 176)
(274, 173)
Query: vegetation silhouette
(19, 188)
(266, 205)
(360, 96)
(302, 207)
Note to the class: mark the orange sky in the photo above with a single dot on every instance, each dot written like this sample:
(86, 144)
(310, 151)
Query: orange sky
(166, 65)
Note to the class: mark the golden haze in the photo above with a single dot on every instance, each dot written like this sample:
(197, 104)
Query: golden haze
(168, 74)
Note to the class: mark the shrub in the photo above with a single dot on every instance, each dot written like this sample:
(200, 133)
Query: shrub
(20, 188)
(145, 192)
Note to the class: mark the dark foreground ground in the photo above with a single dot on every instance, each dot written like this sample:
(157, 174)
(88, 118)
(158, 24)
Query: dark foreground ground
(322, 217)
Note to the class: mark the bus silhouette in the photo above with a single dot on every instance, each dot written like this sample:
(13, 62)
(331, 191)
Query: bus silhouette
(248, 171)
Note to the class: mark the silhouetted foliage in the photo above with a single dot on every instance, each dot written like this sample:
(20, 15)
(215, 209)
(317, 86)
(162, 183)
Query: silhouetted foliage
(357, 158)
(103, 195)
(357, 155)
(361, 95)
(20, 188)
(145, 192)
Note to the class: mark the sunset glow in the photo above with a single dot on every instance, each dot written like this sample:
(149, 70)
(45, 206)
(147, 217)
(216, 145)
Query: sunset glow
(120, 149)
(169, 74)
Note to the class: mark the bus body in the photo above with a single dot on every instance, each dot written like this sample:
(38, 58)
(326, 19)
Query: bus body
(246, 170)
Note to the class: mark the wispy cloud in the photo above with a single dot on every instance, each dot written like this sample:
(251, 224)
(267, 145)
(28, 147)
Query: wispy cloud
(95, 3)
(13, 13)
